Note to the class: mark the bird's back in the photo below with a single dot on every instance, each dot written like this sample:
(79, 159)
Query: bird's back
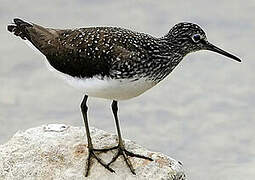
(86, 52)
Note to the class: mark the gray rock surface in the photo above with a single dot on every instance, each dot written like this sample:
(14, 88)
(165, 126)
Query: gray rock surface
(58, 151)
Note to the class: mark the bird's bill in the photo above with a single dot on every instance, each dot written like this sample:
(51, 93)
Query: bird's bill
(211, 47)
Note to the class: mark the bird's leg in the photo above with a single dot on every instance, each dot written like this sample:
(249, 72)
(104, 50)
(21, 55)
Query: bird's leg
(120, 147)
(91, 150)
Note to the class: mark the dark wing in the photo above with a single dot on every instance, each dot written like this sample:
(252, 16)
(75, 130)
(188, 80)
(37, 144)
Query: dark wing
(101, 51)
(87, 52)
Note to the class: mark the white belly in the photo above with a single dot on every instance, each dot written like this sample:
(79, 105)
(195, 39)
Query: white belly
(120, 89)
(114, 89)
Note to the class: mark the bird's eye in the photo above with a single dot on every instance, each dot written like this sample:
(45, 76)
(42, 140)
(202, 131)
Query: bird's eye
(196, 38)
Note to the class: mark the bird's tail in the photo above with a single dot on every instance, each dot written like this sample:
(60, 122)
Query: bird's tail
(39, 36)
(20, 28)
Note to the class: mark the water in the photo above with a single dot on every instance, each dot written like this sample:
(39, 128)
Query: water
(202, 114)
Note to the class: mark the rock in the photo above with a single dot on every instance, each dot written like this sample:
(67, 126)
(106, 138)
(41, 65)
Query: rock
(58, 151)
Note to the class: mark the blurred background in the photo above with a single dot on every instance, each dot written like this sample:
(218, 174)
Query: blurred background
(202, 114)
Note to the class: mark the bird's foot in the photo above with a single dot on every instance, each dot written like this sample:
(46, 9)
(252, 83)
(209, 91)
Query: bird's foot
(125, 153)
(91, 155)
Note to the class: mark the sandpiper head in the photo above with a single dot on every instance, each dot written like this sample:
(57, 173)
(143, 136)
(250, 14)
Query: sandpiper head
(190, 38)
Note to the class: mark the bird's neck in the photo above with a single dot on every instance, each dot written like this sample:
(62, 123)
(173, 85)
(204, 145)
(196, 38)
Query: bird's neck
(165, 57)
(177, 46)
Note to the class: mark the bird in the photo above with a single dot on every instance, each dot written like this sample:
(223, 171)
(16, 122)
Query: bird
(113, 63)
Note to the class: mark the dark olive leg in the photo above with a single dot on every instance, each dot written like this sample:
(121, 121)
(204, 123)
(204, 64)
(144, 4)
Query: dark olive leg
(91, 150)
(121, 148)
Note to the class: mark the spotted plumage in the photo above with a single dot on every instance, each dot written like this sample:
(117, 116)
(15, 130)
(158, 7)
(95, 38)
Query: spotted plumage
(109, 51)
(113, 63)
